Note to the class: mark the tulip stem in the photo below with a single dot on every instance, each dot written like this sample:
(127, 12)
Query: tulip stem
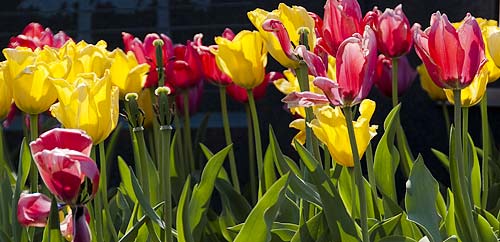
(303, 79)
(97, 208)
(103, 187)
(187, 131)
(457, 173)
(357, 173)
(485, 128)
(33, 167)
(256, 131)
(139, 134)
(4, 164)
(179, 141)
(395, 82)
(251, 156)
(227, 134)
(465, 137)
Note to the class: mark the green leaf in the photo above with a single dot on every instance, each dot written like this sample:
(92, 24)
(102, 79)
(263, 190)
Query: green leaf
(420, 200)
(206, 151)
(52, 233)
(386, 160)
(475, 174)
(4, 237)
(305, 190)
(126, 179)
(384, 228)
(202, 192)
(341, 224)
(236, 204)
(257, 227)
(396, 238)
(449, 221)
(23, 172)
(283, 164)
(492, 220)
(452, 238)
(183, 225)
(485, 231)
(269, 171)
(132, 232)
(146, 206)
(314, 230)
(442, 157)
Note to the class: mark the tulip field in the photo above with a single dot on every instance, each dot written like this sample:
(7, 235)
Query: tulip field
(79, 102)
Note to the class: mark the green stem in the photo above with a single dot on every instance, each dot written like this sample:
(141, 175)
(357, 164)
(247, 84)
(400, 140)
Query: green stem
(405, 166)
(465, 132)
(358, 174)
(446, 116)
(251, 156)
(256, 131)
(4, 164)
(97, 209)
(187, 131)
(395, 82)
(486, 150)
(179, 147)
(103, 187)
(457, 173)
(156, 126)
(227, 134)
(33, 168)
(328, 160)
(139, 134)
(303, 78)
(165, 135)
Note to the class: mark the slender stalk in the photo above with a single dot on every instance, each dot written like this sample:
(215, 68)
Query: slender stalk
(97, 209)
(486, 150)
(33, 168)
(187, 132)
(256, 131)
(395, 82)
(156, 126)
(139, 134)
(369, 166)
(251, 156)
(446, 116)
(405, 166)
(457, 173)
(357, 173)
(303, 79)
(4, 165)
(103, 187)
(328, 160)
(465, 132)
(165, 135)
(227, 134)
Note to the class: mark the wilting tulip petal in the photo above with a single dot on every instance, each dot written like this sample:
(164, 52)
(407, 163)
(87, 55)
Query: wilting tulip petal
(71, 139)
(304, 99)
(33, 209)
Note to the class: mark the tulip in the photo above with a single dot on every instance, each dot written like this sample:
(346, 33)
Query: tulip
(146, 53)
(210, 69)
(126, 73)
(342, 18)
(285, 24)
(86, 58)
(393, 31)
(5, 94)
(452, 57)
(434, 92)
(300, 125)
(330, 128)
(35, 36)
(28, 74)
(493, 43)
(90, 104)
(240, 94)
(62, 158)
(33, 209)
(76, 228)
(186, 70)
(355, 66)
(383, 75)
(194, 99)
(243, 59)
(472, 94)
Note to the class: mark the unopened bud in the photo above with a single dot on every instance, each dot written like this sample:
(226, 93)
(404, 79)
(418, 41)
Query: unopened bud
(131, 95)
(164, 89)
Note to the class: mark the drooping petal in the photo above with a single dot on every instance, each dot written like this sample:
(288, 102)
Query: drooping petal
(71, 139)
(33, 209)
(304, 99)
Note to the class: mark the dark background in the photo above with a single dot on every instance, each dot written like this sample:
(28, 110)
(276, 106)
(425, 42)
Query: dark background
(95, 20)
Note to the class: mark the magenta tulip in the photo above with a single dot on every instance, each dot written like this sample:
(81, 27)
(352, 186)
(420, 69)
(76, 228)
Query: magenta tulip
(186, 70)
(35, 36)
(452, 56)
(383, 75)
(33, 209)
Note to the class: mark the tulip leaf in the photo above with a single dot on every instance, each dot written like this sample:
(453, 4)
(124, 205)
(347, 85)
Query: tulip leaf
(52, 233)
(23, 172)
(202, 192)
(131, 234)
(484, 229)
(146, 206)
(126, 179)
(5, 205)
(234, 202)
(314, 230)
(442, 157)
(420, 200)
(396, 238)
(452, 238)
(341, 224)
(269, 171)
(183, 225)
(257, 226)
(384, 228)
(4, 237)
(492, 220)
(305, 190)
(475, 175)
(282, 163)
(449, 221)
(208, 154)
(386, 161)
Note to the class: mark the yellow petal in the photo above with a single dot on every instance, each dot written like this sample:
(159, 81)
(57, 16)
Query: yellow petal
(472, 94)
(5, 94)
(434, 92)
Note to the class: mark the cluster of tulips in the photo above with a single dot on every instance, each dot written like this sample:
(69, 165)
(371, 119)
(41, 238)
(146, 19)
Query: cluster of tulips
(164, 194)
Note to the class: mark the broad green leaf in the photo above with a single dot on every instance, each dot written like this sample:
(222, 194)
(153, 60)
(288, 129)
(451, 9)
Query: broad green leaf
(23, 172)
(386, 159)
(146, 206)
(283, 164)
(384, 228)
(289, 210)
(126, 179)
(449, 221)
(315, 229)
(284, 231)
(452, 238)
(269, 171)
(202, 192)
(236, 204)
(257, 227)
(492, 220)
(475, 175)
(183, 225)
(305, 190)
(484, 229)
(341, 224)
(396, 238)
(132, 232)
(420, 200)
(206, 151)
(409, 229)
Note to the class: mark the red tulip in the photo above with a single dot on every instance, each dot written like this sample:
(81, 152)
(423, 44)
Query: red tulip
(34, 35)
(210, 69)
(383, 75)
(393, 31)
(186, 70)
(342, 18)
(146, 53)
(356, 61)
(195, 94)
(62, 158)
(33, 209)
(240, 94)
(452, 56)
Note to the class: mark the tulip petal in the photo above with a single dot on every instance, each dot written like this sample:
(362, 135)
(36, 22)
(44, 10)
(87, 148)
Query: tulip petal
(304, 99)
(33, 209)
(471, 40)
(72, 139)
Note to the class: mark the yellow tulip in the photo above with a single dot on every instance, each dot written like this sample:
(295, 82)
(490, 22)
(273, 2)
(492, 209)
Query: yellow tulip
(5, 94)
(299, 124)
(88, 103)
(434, 92)
(27, 73)
(86, 58)
(331, 129)
(126, 73)
(493, 40)
(146, 105)
(472, 94)
(293, 18)
(487, 27)
(243, 59)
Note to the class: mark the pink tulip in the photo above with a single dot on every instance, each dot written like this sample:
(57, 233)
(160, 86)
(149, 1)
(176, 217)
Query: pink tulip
(342, 18)
(383, 75)
(452, 56)
(240, 94)
(33, 209)
(62, 158)
(146, 53)
(195, 95)
(35, 36)
(185, 70)
(356, 61)
(393, 31)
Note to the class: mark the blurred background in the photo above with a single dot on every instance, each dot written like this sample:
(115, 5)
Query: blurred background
(97, 20)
